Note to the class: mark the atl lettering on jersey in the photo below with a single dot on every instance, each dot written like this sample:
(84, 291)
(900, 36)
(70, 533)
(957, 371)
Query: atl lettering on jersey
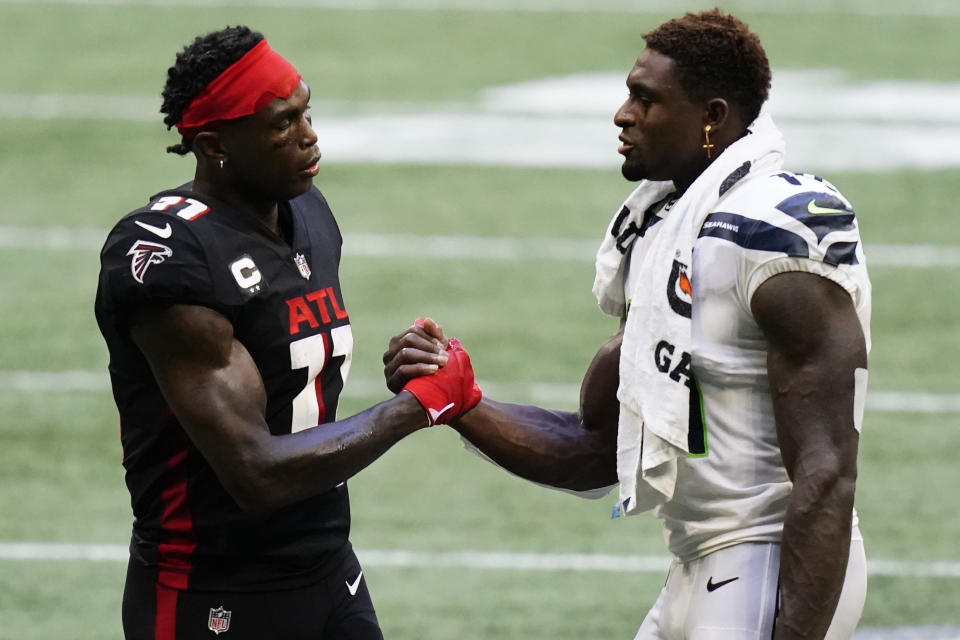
(323, 301)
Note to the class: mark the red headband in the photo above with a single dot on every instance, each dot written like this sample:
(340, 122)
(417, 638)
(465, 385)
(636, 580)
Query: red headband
(245, 87)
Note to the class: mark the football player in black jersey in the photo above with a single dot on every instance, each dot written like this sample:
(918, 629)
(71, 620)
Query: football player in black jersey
(229, 343)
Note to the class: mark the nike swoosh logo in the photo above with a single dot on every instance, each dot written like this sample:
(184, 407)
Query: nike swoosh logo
(352, 588)
(164, 231)
(434, 414)
(713, 586)
(815, 210)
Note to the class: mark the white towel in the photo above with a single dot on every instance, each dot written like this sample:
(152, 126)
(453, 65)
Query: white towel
(654, 415)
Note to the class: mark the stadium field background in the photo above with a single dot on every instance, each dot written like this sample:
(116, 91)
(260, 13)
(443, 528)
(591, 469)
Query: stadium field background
(495, 243)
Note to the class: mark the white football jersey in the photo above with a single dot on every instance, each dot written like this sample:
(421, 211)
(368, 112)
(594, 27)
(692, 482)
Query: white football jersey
(768, 225)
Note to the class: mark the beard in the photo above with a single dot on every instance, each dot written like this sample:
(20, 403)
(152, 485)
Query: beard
(632, 170)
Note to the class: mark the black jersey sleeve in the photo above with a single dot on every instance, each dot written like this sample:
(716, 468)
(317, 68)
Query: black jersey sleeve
(154, 258)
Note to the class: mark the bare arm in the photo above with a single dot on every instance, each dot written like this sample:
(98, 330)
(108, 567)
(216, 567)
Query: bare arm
(815, 345)
(575, 451)
(549, 447)
(214, 388)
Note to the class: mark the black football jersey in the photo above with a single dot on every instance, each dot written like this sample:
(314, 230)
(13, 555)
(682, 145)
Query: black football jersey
(286, 307)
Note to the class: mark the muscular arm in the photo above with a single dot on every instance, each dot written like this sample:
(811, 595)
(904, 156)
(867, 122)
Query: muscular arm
(575, 451)
(214, 388)
(815, 345)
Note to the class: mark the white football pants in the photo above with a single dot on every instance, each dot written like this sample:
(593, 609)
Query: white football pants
(731, 594)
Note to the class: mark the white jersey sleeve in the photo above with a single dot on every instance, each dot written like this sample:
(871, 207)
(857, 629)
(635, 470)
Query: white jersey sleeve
(792, 222)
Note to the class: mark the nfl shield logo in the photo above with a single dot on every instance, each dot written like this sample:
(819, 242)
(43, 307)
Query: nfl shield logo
(302, 265)
(219, 620)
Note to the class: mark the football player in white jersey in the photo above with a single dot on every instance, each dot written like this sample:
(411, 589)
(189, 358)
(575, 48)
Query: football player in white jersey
(730, 402)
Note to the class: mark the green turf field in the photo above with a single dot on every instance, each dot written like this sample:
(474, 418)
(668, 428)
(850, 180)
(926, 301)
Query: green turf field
(525, 321)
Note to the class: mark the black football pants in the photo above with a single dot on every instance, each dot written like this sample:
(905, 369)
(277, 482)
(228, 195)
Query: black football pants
(336, 608)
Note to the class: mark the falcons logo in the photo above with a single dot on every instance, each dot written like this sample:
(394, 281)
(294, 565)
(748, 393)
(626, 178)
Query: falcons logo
(144, 254)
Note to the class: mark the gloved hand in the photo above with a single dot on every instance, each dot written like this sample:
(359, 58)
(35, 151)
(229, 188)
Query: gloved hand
(451, 391)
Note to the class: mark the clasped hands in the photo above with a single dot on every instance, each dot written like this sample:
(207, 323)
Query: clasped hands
(435, 369)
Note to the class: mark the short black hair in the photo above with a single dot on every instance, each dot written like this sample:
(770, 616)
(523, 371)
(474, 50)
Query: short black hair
(198, 65)
(716, 55)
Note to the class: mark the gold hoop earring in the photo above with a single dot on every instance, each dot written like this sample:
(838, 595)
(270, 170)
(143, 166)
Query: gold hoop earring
(708, 146)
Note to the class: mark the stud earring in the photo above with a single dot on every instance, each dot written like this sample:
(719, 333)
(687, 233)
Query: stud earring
(221, 163)
(708, 146)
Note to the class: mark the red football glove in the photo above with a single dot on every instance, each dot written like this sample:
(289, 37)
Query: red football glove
(451, 391)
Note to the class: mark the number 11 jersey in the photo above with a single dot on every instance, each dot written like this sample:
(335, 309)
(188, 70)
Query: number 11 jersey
(284, 301)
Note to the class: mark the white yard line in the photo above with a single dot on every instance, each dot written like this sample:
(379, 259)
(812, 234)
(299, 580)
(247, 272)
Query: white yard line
(523, 562)
(556, 394)
(930, 8)
(564, 121)
(491, 560)
(459, 247)
(52, 238)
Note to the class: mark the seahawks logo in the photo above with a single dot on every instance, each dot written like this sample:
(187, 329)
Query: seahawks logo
(679, 290)
(146, 253)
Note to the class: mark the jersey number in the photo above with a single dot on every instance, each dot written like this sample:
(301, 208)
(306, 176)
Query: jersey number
(193, 208)
(311, 353)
